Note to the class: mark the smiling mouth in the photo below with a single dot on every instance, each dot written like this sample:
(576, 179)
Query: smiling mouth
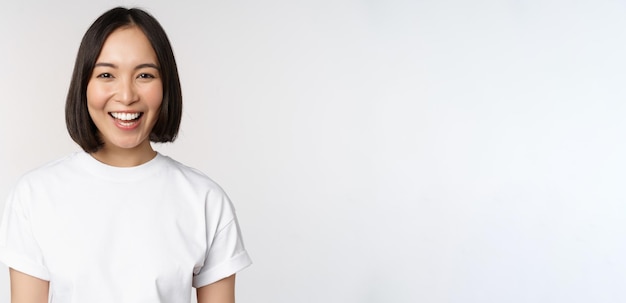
(126, 119)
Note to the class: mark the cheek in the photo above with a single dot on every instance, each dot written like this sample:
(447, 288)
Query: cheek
(154, 95)
(95, 96)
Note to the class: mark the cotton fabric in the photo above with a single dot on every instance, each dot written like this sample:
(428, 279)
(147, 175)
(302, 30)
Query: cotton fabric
(100, 233)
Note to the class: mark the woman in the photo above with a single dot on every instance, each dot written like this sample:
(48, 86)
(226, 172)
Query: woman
(120, 222)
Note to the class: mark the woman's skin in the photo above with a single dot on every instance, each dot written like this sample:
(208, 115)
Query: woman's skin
(125, 83)
(124, 96)
(27, 289)
(222, 291)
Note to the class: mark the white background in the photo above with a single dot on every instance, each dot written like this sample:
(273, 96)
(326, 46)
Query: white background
(377, 151)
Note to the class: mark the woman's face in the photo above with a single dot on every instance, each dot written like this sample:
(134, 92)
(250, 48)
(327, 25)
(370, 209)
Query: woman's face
(125, 91)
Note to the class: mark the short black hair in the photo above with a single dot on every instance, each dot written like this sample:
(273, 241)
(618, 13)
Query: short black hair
(79, 123)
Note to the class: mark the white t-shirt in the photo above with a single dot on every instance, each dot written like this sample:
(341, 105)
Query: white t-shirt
(108, 234)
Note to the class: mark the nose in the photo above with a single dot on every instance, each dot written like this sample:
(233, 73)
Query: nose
(126, 93)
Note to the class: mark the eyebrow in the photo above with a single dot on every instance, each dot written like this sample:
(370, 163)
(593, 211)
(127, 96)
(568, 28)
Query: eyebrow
(140, 66)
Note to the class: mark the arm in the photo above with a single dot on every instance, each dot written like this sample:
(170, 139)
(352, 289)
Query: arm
(222, 291)
(27, 289)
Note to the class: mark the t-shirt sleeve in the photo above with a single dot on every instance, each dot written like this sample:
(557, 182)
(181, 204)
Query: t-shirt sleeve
(18, 246)
(226, 254)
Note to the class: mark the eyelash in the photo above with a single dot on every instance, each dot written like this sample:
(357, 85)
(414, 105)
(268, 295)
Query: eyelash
(140, 76)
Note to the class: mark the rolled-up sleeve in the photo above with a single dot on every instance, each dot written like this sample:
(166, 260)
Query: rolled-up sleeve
(226, 254)
(18, 245)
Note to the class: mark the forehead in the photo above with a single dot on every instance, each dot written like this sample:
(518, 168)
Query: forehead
(127, 45)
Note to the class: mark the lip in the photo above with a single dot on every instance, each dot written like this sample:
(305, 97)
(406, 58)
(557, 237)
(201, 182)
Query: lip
(127, 125)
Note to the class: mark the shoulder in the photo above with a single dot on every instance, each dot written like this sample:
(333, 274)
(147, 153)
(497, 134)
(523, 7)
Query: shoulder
(40, 180)
(194, 185)
(194, 177)
(51, 170)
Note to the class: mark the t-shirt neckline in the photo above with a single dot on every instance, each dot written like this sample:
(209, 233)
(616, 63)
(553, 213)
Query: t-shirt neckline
(120, 174)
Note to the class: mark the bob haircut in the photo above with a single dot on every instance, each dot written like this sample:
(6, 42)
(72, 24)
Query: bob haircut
(79, 123)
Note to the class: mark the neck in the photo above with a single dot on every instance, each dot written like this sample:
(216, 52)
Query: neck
(125, 157)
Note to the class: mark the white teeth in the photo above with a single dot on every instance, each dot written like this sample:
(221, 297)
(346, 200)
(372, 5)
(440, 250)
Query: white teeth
(125, 116)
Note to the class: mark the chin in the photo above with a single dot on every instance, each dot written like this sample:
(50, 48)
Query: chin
(127, 145)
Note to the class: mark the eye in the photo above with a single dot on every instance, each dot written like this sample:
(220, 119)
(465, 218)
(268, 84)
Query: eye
(146, 76)
(104, 75)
